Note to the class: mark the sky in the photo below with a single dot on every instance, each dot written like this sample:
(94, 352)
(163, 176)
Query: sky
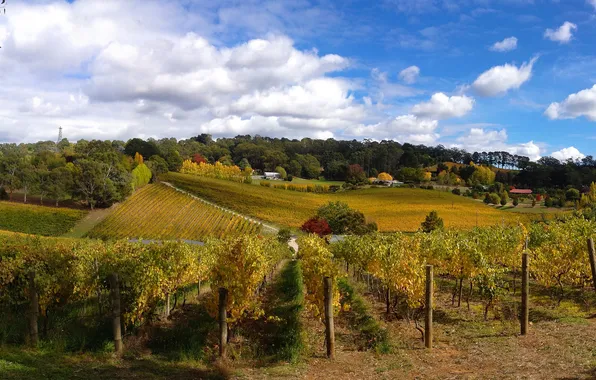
(482, 75)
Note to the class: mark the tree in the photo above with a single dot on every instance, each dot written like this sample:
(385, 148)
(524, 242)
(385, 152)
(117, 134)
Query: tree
(282, 172)
(158, 166)
(284, 235)
(572, 195)
(61, 183)
(432, 222)
(344, 220)
(138, 158)
(385, 177)
(27, 177)
(244, 164)
(145, 148)
(43, 181)
(141, 175)
(317, 226)
(198, 158)
(356, 175)
(311, 167)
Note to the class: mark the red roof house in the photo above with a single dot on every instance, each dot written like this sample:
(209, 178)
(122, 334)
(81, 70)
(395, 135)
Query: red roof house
(520, 191)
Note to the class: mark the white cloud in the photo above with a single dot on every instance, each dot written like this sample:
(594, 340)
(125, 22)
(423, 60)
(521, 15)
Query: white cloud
(442, 107)
(507, 44)
(567, 153)
(563, 34)
(410, 74)
(481, 140)
(592, 3)
(500, 79)
(404, 128)
(579, 104)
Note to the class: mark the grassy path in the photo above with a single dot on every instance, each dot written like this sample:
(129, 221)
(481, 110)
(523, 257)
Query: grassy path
(86, 224)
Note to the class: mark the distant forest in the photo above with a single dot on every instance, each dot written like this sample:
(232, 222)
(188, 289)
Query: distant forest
(104, 172)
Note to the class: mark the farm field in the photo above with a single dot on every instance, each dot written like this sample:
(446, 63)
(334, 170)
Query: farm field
(302, 181)
(38, 220)
(160, 212)
(393, 209)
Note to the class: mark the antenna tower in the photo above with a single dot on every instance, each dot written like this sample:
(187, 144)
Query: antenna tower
(59, 135)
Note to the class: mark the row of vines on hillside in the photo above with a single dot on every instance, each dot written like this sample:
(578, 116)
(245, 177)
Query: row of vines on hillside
(160, 212)
(70, 272)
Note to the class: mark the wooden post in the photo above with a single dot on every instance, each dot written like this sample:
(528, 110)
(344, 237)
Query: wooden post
(329, 329)
(199, 289)
(223, 323)
(525, 310)
(116, 326)
(592, 255)
(428, 320)
(33, 310)
(166, 307)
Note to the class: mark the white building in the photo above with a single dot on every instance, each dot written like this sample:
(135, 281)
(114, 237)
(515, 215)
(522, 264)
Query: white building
(272, 175)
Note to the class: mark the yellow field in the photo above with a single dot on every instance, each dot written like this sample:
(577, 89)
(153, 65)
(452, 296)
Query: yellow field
(394, 209)
(38, 220)
(160, 212)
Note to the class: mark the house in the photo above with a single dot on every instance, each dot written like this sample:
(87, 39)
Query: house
(520, 191)
(272, 175)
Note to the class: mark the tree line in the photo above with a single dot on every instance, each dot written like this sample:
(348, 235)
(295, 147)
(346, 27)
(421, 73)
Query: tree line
(101, 172)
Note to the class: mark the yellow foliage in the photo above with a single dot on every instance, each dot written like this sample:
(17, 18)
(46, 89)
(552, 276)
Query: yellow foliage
(385, 177)
(427, 176)
(217, 170)
(138, 158)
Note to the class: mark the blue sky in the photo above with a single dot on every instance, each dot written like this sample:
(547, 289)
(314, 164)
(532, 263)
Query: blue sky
(515, 75)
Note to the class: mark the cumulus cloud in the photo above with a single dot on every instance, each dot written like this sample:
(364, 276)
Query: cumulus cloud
(563, 34)
(592, 3)
(442, 107)
(482, 140)
(507, 44)
(410, 74)
(404, 128)
(500, 79)
(568, 153)
(579, 104)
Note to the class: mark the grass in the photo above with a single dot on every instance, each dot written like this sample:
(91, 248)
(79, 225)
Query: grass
(159, 212)
(38, 220)
(302, 181)
(279, 335)
(371, 334)
(393, 209)
(92, 219)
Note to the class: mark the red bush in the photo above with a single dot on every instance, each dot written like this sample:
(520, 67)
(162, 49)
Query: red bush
(538, 197)
(316, 226)
(197, 158)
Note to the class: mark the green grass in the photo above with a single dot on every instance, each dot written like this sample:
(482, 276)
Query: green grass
(393, 209)
(371, 334)
(281, 336)
(38, 220)
(302, 181)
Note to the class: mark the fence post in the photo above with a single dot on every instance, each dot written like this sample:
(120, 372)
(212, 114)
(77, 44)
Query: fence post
(116, 326)
(428, 320)
(33, 310)
(223, 323)
(329, 329)
(525, 310)
(592, 255)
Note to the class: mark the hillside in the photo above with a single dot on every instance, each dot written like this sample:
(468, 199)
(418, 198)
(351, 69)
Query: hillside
(393, 209)
(160, 212)
(38, 220)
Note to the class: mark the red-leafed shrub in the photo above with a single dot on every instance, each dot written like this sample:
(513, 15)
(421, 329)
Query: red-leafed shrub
(317, 226)
(538, 197)
(197, 158)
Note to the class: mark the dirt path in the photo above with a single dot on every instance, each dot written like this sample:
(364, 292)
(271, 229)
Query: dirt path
(266, 227)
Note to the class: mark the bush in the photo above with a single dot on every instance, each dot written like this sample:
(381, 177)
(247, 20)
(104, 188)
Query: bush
(494, 198)
(432, 222)
(516, 202)
(503, 201)
(317, 226)
(548, 202)
(265, 184)
(533, 203)
(284, 235)
(456, 191)
(290, 178)
(572, 195)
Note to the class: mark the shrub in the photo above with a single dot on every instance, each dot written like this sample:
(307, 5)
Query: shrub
(141, 175)
(572, 195)
(494, 198)
(548, 202)
(284, 235)
(317, 226)
(265, 184)
(516, 202)
(456, 191)
(503, 200)
(432, 222)
(282, 172)
(533, 203)
(290, 178)
(344, 220)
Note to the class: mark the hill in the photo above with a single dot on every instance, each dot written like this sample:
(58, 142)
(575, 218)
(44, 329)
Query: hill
(160, 212)
(38, 220)
(393, 209)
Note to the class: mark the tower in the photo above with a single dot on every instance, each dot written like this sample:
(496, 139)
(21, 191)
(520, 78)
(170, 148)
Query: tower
(59, 135)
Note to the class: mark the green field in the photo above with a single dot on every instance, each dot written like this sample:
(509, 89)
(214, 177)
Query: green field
(160, 212)
(393, 209)
(302, 181)
(38, 220)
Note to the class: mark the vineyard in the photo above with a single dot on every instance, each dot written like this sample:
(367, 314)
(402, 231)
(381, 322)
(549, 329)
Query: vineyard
(392, 209)
(39, 220)
(160, 212)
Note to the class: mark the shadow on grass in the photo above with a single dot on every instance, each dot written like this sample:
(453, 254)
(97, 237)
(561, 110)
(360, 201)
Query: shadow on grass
(185, 336)
(279, 335)
(18, 363)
